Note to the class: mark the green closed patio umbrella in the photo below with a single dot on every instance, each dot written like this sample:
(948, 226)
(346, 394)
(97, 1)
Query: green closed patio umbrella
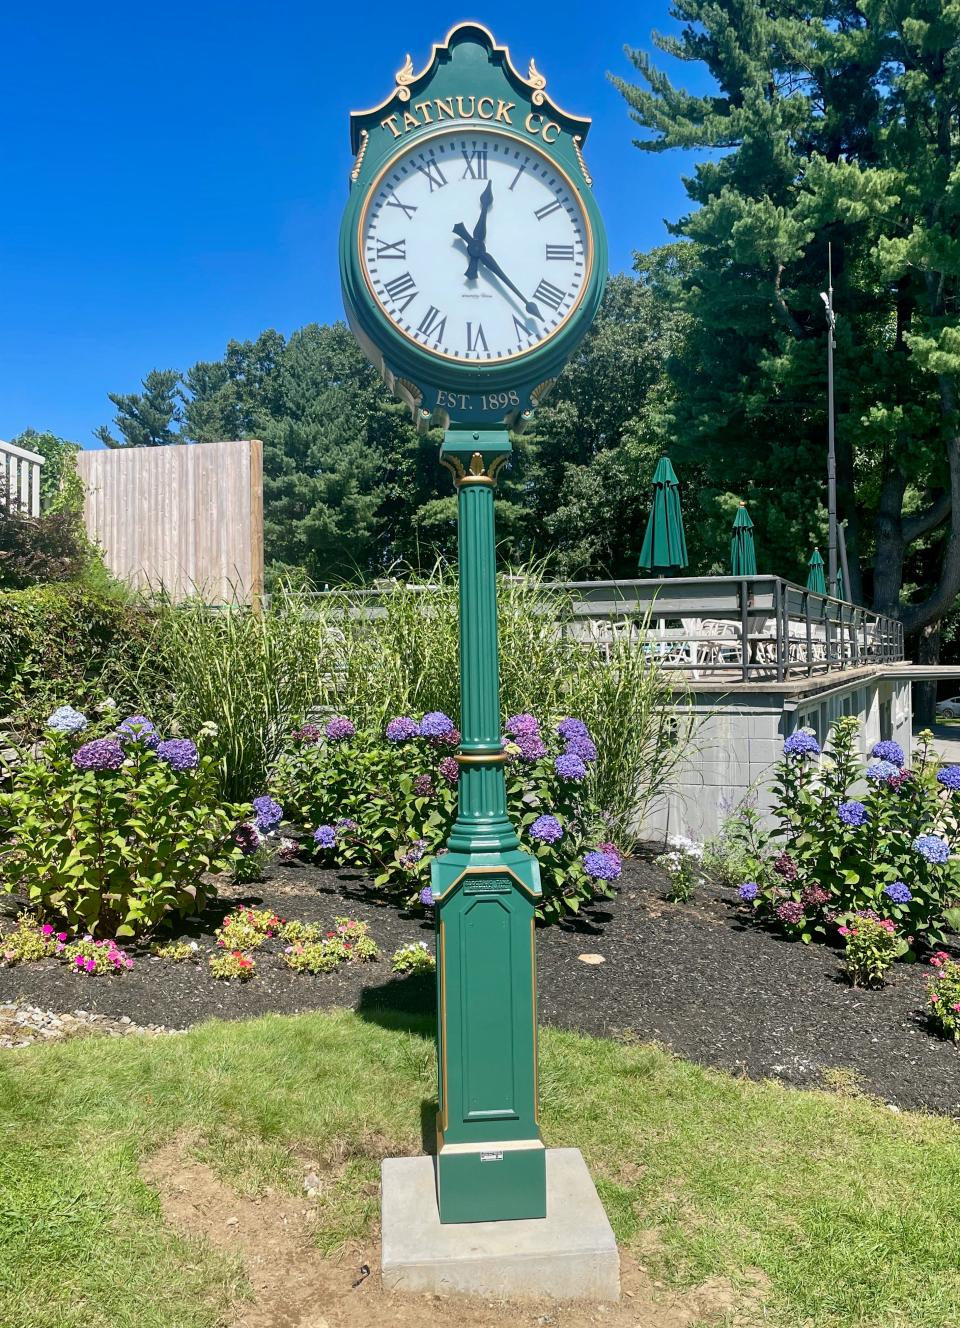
(743, 554)
(841, 591)
(664, 544)
(815, 577)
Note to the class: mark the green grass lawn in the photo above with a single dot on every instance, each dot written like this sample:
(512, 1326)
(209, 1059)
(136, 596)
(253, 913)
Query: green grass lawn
(850, 1210)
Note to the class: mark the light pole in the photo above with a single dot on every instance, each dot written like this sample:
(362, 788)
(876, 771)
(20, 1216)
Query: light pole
(827, 297)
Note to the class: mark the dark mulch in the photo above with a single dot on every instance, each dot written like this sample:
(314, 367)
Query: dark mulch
(696, 977)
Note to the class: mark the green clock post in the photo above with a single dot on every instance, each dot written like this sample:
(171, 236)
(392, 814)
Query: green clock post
(473, 261)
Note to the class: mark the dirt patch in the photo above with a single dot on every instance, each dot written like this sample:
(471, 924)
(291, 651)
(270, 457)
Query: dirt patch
(294, 1286)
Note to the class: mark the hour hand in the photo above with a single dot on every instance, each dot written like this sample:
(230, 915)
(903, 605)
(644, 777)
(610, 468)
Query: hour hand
(493, 266)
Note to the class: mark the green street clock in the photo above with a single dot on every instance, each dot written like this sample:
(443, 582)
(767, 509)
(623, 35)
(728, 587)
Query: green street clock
(472, 254)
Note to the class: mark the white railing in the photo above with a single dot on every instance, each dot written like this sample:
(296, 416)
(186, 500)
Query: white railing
(20, 479)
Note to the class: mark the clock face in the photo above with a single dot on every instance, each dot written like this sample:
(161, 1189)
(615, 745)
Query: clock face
(475, 245)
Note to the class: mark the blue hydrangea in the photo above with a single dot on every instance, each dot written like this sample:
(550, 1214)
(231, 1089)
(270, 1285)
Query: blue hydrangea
(179, 753)
(934, 848)
(426, 897)
(853, 814)
(898, 892)
(325, 836)
(137, 728)
(748, 891)
(572, 728)
(569, 766)
(887, 750)
(546, 829)
(602, 866)
(801, 743)
(269, 813)
(67, 720)
(582, 747)
(402, 729)
(882, 771)
(436, 724)
(949, 777)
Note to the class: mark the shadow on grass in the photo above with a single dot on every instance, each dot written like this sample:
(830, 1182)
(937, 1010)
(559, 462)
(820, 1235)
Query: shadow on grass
(407, 1005)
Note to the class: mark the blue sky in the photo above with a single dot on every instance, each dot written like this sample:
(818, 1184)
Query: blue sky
(174, 174)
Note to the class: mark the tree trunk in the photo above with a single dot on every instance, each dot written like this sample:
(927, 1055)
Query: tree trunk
(925, 693)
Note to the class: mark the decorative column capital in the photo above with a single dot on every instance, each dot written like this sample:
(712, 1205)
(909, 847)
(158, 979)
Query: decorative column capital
(474, 456)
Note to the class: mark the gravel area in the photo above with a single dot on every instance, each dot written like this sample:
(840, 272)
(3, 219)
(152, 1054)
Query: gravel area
(695, 977)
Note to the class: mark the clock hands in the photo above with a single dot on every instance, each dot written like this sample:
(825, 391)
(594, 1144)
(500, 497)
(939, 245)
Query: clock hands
(477, 252)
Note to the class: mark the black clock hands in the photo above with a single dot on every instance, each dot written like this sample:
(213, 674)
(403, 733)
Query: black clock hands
(477, 253)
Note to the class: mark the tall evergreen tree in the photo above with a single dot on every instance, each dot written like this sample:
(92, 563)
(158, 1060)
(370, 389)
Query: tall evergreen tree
(147, 418)
(832, 121)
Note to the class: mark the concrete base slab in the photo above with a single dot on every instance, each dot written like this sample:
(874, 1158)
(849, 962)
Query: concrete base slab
(570, 1254)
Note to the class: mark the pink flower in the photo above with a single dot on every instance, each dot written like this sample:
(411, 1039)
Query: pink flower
(957, 1005)
(939, 959)
(91, 965)
(62, 937)
(47, 929)
(79, 961)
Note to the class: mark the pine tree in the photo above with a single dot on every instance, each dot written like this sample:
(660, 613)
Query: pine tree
(147, 418)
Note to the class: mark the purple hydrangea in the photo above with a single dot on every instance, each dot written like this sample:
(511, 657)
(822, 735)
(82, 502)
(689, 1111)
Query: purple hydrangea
(785, 866)
(402, 729)
(269, 813)
(602, 866)
(137, 728)
(246, 836)
(414, 853)
(934, 848)
(518, 725)
(748, 891)
(887, 750)
(949, 777)
(532, 746)
(449, 768)
(67, 720)
(853, 814)
(435, 724)
(325, 836)
(423, 786)
(898, 892)
(790, 912)
(569, 766)
(179, 753)
(345, 823)
(572, 728)
(882, 771)
(547, 829)
(813, 896)
(801, 744)
(308, 733)
(582, 747)
(101, 754)
(426, 897)
(338, 728)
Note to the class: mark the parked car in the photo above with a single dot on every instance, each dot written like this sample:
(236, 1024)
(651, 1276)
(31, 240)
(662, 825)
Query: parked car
(949, 709)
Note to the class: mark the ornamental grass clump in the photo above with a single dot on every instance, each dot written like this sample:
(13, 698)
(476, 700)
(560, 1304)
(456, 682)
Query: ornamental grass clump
(116, 832)
(384, 800)
(871, 948)
(943, 996)
(859, 836)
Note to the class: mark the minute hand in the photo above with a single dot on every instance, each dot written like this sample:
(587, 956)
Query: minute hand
(498, 271)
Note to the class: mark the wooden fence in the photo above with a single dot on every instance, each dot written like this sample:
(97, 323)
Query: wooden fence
(20, 479)
(187, 520)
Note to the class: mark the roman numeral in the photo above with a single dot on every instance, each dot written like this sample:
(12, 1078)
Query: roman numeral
(478, 341)
(523, 332)
(548, 209)
(476, 164)
(398, 287)
(434, 174)
(397, 249)
(518, 174)
(549, 294)
(408, 209)
(561, 252)
(433, 325)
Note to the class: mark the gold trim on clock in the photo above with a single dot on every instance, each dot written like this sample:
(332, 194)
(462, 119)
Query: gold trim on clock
(451, 131)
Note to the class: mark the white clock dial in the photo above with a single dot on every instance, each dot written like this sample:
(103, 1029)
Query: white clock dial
(475, 245)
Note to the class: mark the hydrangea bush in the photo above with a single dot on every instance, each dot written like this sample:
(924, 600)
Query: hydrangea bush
(860, 839)
(112, 832)
(385, 800)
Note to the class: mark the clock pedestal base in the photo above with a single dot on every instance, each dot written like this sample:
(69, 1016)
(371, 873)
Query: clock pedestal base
(570, 1254)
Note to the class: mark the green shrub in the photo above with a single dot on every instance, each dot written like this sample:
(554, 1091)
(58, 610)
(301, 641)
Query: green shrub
(233, 964)
(28, 941)
(387, 804)
(856, 840)
(943, 996)
(416, 957)
(248, 928)
(110, 833)
(872, 945)
(64, 644)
